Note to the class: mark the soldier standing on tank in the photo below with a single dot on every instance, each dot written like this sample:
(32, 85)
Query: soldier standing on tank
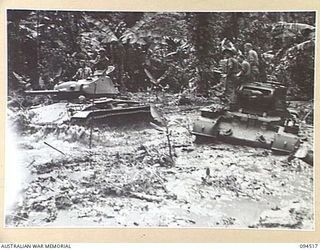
(83, 72)
(253, 59)
(232, 69)
(101, 62)
(245, 70)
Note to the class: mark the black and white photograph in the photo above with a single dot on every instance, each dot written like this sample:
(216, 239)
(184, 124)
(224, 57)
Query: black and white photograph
(121, 119)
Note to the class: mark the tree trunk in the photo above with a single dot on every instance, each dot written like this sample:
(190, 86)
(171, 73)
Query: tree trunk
(200, 36)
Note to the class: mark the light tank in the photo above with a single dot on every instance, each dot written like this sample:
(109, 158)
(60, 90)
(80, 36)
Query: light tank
(97, 100)
(259, 117)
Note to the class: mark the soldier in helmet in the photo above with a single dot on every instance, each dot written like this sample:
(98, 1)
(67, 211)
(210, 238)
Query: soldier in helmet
(253, 59)
(101, 62)
(245, 70)
(232, 69)
(83, 72)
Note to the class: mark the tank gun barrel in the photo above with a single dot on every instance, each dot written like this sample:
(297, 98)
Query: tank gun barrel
(42, 92)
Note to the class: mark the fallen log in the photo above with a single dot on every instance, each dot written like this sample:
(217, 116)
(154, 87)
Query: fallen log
(54, 148)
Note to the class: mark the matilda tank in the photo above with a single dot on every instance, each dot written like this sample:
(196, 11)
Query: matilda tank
(259, 117)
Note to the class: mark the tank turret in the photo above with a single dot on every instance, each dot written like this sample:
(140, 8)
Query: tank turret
(93, 87)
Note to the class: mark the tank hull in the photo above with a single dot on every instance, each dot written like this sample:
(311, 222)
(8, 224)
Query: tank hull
(246, 129)
(114, 112)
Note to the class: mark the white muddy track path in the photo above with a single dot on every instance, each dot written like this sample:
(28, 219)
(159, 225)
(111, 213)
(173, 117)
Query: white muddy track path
(127, 180)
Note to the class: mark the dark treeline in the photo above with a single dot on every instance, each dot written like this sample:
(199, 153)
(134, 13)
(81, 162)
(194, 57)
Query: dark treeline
(172, 51)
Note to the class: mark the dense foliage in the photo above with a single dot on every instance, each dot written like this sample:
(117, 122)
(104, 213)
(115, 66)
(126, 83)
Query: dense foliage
(166, 51)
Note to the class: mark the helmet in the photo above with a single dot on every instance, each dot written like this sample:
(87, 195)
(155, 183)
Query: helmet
(248, 45)
(229, 50)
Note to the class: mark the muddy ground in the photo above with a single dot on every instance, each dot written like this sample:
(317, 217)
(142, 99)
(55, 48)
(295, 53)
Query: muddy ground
(127, 178)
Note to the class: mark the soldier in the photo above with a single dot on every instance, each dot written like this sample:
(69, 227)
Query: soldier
(231, 74)
(253, 59)
(101, 62)
(83, 72)
(245, 71)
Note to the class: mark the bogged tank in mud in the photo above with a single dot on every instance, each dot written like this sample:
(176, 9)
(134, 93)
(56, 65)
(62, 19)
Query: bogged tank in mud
(259, 118)
(113, 112)
(94, 100)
